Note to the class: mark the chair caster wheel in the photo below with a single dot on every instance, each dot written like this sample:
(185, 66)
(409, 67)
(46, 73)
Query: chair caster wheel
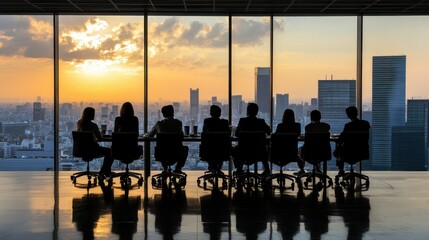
(224, 185)
(319, 186)
(198, 182)
(205, 185)
(72, 178)
(140, 182)
(292, 185)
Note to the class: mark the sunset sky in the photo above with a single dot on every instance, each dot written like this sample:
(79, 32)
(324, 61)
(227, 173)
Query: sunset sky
(101, 57)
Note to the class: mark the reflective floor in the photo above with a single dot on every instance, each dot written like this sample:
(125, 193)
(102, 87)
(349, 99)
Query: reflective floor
(395, 207)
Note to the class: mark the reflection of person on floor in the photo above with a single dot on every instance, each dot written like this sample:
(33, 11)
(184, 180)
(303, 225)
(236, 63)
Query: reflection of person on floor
(168, 208)
(215, 214)
(86, 124)
(316, 215)
(286, 211)
(125, 216)
(170, 125)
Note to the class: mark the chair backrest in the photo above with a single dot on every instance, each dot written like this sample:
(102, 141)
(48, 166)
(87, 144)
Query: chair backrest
(84, 145)
(355, 146)
(168, 147)
(125, 146)
(317, 147)
(215, 146)
(252, 146)
(284, 148)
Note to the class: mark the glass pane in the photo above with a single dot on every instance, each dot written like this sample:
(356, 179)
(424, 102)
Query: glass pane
(395, 94)
(101, 66)
(250, 66)
(315, 68)
(26, 93)
(188, 68)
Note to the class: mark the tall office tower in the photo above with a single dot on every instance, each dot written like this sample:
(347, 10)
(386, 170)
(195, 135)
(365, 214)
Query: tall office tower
(66, 109)
(334, 97)
(263, 89)
(388, 106)
(38, 112)
(313, 103)
(237, 104)
(418, 117)
(408, 148)
(193, 110)
(282, 102)
(215, 101)
(104, 112)
(115, 110)
(176, 106)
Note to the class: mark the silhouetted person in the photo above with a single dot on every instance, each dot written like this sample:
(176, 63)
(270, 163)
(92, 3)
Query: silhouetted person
(126, 122)
(170, 125)
(316, 126)
(86, 124)
(288, 125)
(251, 123)
(355, 125)
(215, 123)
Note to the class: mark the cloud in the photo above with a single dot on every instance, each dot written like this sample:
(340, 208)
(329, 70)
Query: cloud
(26, 36)
(250, 32)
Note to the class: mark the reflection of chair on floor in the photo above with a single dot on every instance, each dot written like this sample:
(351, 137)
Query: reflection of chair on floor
(315, 215)
(168, 208)
(317, 149)
(125, 148)
(354, 149)
(87, 211)
(215, 148)
(125, 215)
(250, 150)
(251, 214)
(284, 150)
(215, 214)
(286, 212)
(85, 147)
(169, 150)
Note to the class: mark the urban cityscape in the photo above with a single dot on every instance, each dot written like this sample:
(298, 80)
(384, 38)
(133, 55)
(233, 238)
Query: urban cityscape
(399, 126)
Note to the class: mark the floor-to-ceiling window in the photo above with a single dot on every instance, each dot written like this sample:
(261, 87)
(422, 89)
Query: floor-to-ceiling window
(251, 65)
(101, 65)
(395, 96)
(26, 93)
(188, 68)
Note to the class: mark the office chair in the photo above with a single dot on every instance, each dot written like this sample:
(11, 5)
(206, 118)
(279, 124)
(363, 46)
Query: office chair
(85, 147)
(168, 151)
(251, 149)
(354, 149)
(284, 150)
(215, 148)
(316, 150)
(125, 148)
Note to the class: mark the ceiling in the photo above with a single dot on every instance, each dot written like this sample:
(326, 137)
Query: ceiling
(217, 7)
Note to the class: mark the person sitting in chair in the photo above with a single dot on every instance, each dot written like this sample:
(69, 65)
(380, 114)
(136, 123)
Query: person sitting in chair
(251, 123)
(215, 124)
(86, 124)
(170, 125)
(355, 125)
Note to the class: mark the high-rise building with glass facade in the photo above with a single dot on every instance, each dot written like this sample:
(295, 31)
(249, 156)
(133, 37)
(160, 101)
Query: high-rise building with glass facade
(334, 97)
(388, 106)
(262, 89)
(194, 101)
(282, 102)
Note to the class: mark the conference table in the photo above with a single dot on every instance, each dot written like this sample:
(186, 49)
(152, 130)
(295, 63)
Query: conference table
(191, 138)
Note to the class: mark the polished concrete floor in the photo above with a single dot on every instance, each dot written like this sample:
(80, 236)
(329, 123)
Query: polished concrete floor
(31, 207)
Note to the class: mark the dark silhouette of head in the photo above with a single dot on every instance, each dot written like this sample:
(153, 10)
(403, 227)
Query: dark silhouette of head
(88, 114)
(127, 110)
(215, 111)
(252, 109)
(352, 112)
(288, 116)
(315, 116)
(167, 111)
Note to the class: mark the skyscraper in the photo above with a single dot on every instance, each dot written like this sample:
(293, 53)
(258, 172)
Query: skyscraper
(263, 89)
(194, 100)
(38, 112)
(388, 106)
(282, 102)
(334, 97)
